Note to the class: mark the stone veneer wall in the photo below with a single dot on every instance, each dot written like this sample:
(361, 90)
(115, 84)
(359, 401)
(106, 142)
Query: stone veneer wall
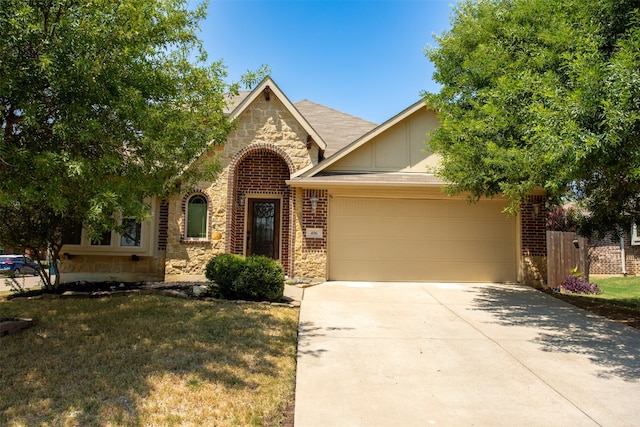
(112, 268)
(263, 124)
(311, 253)
(534, 241)
(605, 256)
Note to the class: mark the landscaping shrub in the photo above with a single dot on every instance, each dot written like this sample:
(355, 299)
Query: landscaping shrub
(255, 278)
(223, 269)
(261, 279)
(578, 285)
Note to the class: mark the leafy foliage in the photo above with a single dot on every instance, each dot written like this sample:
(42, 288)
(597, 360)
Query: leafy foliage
(561, 219)
(254, 278)
(262, 278)
(542, 93)
(223, 269)
(577, 284)
(103, 103)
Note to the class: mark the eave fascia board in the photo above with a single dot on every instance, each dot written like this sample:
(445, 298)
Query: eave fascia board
(326, 184)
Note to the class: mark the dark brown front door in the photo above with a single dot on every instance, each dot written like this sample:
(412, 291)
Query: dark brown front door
(263, 229)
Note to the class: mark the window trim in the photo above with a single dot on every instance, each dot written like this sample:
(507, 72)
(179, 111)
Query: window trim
(139, 235)
(187, 199)
(635, 236)
(148, 239)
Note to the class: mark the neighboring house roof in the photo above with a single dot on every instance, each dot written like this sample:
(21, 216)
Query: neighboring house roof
(338, 129)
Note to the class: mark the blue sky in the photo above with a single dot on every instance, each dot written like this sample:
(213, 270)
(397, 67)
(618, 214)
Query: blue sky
(362, 57)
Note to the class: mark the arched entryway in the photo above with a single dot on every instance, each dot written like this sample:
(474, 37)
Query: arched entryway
(260, 206)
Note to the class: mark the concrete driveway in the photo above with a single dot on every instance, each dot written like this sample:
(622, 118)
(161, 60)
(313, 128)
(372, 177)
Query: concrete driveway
(27, 282)
(421, 354)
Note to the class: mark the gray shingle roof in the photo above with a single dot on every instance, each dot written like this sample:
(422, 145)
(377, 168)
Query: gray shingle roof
(234, 100)
(338, 129)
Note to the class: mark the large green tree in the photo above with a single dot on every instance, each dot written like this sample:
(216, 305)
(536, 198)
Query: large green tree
(543, 93)
(103, 103)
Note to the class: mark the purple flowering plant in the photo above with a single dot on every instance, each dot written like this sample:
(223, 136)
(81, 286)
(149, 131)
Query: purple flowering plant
(576, 283)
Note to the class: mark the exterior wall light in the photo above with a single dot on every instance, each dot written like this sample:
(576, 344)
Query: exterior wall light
(240, 198)
(314, 203)
(536, 210)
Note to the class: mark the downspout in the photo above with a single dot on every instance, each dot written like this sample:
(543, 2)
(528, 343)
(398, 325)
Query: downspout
(623, 256)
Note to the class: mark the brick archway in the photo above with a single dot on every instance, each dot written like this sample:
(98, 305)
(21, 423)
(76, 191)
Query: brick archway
(260, 169)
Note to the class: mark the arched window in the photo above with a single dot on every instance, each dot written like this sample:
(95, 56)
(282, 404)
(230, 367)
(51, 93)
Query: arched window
(197, 217)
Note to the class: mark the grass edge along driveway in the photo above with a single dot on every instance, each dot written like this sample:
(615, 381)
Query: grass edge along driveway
(147, 360)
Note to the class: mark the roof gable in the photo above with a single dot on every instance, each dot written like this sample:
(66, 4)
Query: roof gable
(269, 88)
(398, 145)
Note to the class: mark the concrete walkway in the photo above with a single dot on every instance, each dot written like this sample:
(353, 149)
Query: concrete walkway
(421, 354)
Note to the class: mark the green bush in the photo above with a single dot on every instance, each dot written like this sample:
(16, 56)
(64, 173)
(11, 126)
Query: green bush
(223, 269)
(261, 279)
(255, 278)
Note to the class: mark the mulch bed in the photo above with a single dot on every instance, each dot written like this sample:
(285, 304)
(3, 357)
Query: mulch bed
(104, 287)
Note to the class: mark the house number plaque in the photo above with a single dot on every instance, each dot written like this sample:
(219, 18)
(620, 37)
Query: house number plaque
(314, 233)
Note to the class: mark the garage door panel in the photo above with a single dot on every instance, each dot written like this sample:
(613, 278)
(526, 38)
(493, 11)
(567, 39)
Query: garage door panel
(402, 240)
(427, 271)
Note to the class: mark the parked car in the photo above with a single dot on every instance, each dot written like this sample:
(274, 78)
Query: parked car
(18, 264)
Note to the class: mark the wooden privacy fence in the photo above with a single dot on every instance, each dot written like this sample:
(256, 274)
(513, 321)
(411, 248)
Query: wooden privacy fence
(565, 251)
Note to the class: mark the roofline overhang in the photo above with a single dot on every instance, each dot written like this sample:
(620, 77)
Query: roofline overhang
(327, 183)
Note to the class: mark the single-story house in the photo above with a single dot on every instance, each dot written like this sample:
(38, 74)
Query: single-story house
(329, 195)
(609, 256)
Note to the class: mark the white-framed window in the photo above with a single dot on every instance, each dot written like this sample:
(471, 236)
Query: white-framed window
(137, 238)
(635, 238)
(105, 240)
(196, 217)
(132, 232)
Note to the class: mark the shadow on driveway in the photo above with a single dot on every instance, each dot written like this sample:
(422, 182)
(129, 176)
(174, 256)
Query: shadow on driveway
(565, 328)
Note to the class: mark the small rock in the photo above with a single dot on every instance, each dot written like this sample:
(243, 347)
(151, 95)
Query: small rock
(199, 290)
(175, 294)
(75, 294)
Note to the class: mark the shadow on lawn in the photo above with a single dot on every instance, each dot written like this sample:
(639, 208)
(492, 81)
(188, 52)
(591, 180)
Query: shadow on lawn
(97, 360)
(566, 329)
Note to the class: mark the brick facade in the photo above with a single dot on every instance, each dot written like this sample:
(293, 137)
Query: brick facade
(533, 226)
(311, 251)
(534, 241)
(260, 172)
(605, 256)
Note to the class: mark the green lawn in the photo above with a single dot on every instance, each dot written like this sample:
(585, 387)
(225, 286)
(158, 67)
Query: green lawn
(619, 290)
(147, 360)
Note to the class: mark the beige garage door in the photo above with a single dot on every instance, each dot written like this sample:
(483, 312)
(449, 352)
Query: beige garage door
(376, 239)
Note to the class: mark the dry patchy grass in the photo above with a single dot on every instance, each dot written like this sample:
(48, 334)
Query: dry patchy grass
(147, 360)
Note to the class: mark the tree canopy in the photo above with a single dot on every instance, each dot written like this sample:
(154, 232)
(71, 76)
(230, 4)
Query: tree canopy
(543, 94)
(103, 103)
